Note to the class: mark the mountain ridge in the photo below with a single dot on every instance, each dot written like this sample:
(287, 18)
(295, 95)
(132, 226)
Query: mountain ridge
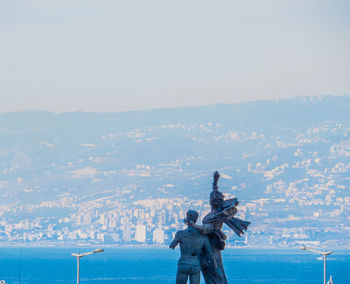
(288, 159)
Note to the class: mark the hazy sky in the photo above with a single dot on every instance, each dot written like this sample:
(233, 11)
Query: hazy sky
(125, 55)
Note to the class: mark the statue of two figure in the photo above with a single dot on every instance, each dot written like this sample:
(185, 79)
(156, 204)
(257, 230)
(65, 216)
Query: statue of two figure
(201, 245)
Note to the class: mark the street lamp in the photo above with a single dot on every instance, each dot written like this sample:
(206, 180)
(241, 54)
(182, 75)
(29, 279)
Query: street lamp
(324, 254)
(80, 255)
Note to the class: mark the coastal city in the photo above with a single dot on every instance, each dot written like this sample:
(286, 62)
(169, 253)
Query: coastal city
(292, 182)
(155, 222)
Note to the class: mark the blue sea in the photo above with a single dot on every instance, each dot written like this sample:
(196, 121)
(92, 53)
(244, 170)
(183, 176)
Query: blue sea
(158, 265)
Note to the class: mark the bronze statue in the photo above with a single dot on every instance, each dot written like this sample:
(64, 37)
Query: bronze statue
(194, 246)
(222, 211)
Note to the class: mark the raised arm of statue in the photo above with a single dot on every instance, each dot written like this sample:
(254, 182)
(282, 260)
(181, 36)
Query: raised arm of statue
(175, 241)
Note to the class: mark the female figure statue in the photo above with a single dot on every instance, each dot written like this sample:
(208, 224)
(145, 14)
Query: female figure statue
(222, 211)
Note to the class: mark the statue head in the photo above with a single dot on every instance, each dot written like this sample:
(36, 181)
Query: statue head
(192, 215)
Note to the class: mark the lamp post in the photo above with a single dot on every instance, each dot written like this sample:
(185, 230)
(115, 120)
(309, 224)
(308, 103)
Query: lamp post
(324, 254)
(80, 255)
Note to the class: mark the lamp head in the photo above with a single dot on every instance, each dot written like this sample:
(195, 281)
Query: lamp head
(98, 250)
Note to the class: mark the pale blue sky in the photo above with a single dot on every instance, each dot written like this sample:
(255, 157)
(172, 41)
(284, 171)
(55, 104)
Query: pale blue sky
(126, 55)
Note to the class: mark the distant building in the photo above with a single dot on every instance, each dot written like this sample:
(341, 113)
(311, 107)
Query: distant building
(126, 233)
(158, 236)
(140, 233)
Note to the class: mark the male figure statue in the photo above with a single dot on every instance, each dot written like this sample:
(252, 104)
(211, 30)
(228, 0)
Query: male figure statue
(193, 245)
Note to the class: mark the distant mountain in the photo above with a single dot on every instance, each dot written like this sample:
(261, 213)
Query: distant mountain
(129, 177)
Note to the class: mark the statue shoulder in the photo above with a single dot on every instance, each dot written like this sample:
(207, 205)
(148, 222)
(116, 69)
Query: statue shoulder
(197, 235)
(180, 233)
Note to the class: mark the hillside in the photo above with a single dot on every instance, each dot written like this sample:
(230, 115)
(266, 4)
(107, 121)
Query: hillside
(128, 178)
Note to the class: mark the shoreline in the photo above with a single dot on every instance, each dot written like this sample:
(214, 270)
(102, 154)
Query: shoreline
(109, 246)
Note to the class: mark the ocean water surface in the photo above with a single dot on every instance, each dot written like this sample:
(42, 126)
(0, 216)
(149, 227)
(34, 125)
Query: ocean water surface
(158, 265)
